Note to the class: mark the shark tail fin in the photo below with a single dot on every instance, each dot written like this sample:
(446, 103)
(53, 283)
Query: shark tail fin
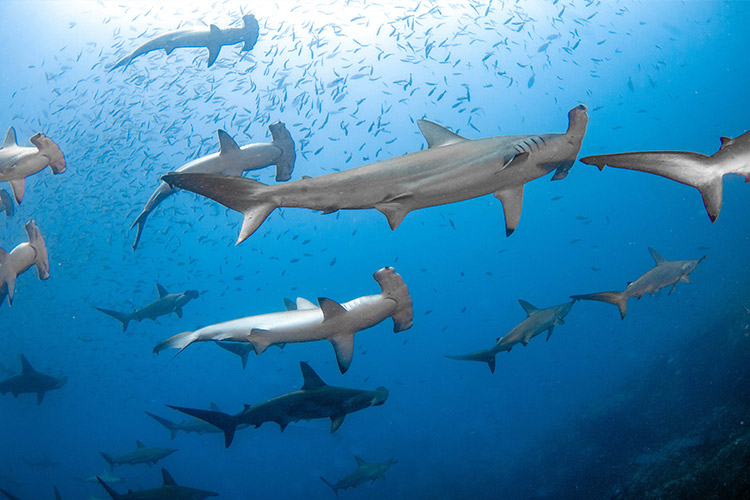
(179, 341)
(140, 221)
(36, 240)
(282, 139)
(227, 423)
(488, 358)
(252, 28)
(618, 299)
(243, 195)
(110, 460)
(112, 493)
(166, 423)
(332, 486)
(121, 317)
(393, 286)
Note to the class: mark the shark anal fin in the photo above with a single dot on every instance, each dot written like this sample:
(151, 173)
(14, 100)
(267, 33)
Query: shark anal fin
(512, 200)
(310, 379)
(491, 363)
(18, 186)
(336, 421)
(393, 211)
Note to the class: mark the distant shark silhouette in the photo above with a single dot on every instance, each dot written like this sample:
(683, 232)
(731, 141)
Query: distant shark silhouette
(212, 38)
(31, 381)
(332, 321)
(13, 497)
(169, 490)
(167, 303)
(537, 321)
(663, 274)
(315, 399)
(141, 455)
(705, 173)
(365, 472)
(20, 259)
(6, 203)
(17, 163)
(187, 426)
(452, 169)
(231, 160)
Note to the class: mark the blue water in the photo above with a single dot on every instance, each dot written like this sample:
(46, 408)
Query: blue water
(654, 75)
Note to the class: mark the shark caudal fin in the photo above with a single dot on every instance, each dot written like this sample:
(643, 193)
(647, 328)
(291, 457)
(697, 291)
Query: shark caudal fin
(392, 286)
(110, 460)
(483, 356)
(282, 139)
(227, 423)
(618, 299)
(166, 423)
(250, 32)
(140, 221)
(121, 317)
(112, 493)
(238, 193)
(41, 260)
(332, 486)
(179, 341)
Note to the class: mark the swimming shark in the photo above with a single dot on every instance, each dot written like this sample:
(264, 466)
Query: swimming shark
(13, 497)
(213, 38)
(44, 461)
(330, 321)
(6, 203)
(663, 274)
(537, 321)
(141, 455)
(451, 169)
(106, 476)
(167, 303)
(365, 472)
(231, 160)
(31, 381)
(20, 259)
(169, 490)
(187, 426)
(315, 399)
(705, 173)
(17, 163)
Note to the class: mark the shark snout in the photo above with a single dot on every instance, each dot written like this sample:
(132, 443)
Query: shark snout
(49, 148)
(193, 294)
(379, 396)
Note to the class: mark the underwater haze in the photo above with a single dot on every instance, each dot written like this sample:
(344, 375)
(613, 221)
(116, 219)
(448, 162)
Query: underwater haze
(655, 405)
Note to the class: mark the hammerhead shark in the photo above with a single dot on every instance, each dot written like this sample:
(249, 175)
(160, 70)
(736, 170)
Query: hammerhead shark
(13, 497)
(663, 274)
(705, 173)
(231, 160)
(141, 455)
(315, 399)
(187, 426)
(20, 259)
(6, 203)
(330, 321)
(31, 381)
(169, 490)
(451, 169)
(213, 39)
(17, 163)
(167, 303)
(365, 472)
(537, 321)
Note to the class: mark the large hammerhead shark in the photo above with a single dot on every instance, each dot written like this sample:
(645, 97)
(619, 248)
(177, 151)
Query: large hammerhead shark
(213, 39)
(451, 169)
(20, 259)
(17, 163)
(231, 160)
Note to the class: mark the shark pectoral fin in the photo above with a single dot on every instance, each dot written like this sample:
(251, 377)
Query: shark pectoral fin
(336, 421)
(343, 346)
(393, 211)
(512, 200)
(549, 332)
(213, 51)
(18, 186)
(712, 196)
(39, 397)
(685, 278)
(178, 312)
(673, 287)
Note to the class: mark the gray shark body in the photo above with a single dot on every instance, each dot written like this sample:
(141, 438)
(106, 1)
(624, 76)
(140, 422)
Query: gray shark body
(105, 476)
(315, 399)
(451, 169)
(20, 259)
(169, 490)
(212, 38)
(141, 455)
(705, 173)
(366, 472)
(167, 303)
(332, 321)
(17, 163)
(231, 160)
(537, 321)
(665, 273)
(31, 381)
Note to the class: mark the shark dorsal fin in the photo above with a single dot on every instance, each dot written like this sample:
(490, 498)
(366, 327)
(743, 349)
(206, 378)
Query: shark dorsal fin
(331, 308)
(359, 460)
(26, 366)
(57, 494)
(311, 380)
(214, 29)
(162, 291)
(657, 258)
(289, 304)
(168, 480)
(437, 135)
(215, 407)
(305, 304)
(10, 138)
(527, 307)
(226, 143)
(725, 141)
(139, 445)
(3, 256)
